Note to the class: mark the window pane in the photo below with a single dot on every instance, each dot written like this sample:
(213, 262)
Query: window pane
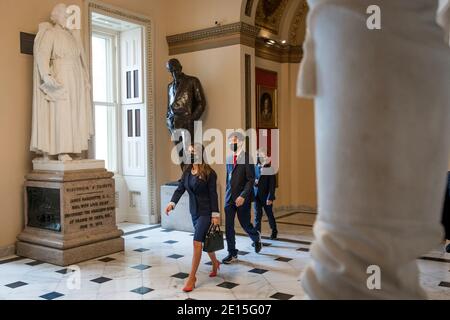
(136, 83)
(137, 120)
(105, 136)
(128, 84)
(130, 122)
(99, 69)
(101, 133)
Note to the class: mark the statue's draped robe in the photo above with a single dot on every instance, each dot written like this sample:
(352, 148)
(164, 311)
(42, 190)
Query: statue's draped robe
(382, 113)
(62, 118)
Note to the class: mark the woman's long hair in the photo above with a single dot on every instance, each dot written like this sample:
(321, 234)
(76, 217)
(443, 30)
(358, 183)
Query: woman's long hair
(203, 169)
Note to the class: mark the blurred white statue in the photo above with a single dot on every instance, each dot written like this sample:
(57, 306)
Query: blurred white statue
(62, 107)
(383, 140)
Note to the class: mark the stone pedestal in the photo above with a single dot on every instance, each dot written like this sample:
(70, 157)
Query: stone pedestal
(180, 218)
(69, 214)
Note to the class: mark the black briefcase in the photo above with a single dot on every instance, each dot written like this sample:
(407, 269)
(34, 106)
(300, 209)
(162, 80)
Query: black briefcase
(214, 239)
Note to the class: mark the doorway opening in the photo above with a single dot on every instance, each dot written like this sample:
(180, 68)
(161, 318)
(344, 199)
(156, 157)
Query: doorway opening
(121, 86)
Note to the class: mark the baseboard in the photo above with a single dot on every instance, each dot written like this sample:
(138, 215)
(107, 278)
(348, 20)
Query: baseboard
(296, 208)
(7, 251)
(137, 218)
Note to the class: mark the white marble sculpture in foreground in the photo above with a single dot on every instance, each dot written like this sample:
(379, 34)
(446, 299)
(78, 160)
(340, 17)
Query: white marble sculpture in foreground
(383, 136)
(62, 106)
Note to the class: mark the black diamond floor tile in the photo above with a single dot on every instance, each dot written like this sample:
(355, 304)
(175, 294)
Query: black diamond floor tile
(63, 271)
(107, 259)
(281, 296)
(243, 253)
(141, 237)
(266, 244)
(142, 290)
(209, 263)
(444, 284)
(227, 285)
(167, 230)
(175, 256)
(141, 250)
(17, 284)
(34, 263)
(303, 249)
(101, 280)
(11, 260)
(180, 275)
(51, 295)
(258, 271)
(141, 267)
(282, 259)
(170, 241)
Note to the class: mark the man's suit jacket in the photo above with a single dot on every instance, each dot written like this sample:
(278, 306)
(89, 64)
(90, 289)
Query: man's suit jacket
(186, 103)
(264, 185)
(203, 198)
(240, 179)
(446, 210)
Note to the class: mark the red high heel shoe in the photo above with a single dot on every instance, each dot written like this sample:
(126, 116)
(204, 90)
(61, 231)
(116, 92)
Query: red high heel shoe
(214, 273)
(189, 289)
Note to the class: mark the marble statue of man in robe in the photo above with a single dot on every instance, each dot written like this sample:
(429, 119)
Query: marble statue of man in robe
(62, 121)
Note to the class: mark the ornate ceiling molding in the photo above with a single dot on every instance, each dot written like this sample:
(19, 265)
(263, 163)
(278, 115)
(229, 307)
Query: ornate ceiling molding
(232, 34)
(269, 14)
(299, 19)
(215, 37)
(278, 53)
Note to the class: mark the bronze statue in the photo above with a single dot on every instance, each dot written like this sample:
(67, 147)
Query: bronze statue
(186, 104)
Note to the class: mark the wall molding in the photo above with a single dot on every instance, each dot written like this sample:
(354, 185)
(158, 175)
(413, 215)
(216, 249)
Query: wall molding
(232, 34)
(296, 208)
(214, 37)
(278, 53)
(7, 251)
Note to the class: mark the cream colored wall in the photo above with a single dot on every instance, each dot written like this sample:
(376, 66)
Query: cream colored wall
(16, 95)
(297, 181)
(184, 16)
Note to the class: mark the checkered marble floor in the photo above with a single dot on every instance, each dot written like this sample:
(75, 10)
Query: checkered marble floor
(155, 265)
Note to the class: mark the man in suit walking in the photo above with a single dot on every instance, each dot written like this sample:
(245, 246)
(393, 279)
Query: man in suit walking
(238, 196)
(264, 193)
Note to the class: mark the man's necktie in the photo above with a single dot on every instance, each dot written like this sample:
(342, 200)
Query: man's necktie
(234, 160)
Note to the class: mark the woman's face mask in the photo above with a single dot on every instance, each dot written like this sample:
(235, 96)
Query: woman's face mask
(195, 158)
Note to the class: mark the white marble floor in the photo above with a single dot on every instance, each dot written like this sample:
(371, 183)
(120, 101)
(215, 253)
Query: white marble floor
(156, 261)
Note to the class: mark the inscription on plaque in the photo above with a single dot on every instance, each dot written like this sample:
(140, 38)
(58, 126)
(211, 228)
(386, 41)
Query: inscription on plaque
(44, 208)
(89, 205)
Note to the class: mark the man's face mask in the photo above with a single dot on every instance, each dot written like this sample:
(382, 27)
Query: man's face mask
(234, 147)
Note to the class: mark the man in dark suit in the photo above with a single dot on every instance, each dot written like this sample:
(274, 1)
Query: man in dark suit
(186, 104)
(238, 196)
(264, 193)
(446, 214)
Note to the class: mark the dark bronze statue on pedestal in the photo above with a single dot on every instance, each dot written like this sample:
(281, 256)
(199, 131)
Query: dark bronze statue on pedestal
(186, 104)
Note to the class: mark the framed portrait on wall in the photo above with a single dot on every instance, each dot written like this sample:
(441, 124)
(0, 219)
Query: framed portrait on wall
(266, 108)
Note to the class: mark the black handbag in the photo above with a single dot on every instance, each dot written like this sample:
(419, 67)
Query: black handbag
(214, 239)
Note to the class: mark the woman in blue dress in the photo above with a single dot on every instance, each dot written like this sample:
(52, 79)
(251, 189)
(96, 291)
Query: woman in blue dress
(199, 180)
